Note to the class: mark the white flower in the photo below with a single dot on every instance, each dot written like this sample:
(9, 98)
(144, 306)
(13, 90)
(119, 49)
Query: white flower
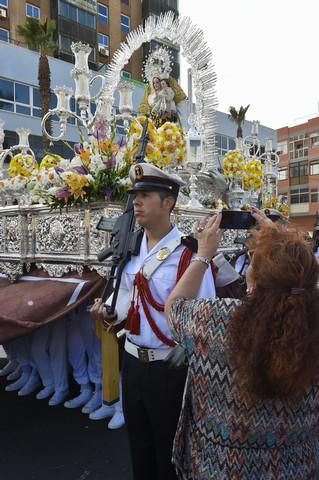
(65, 163)
(76, 162)
(53, 190)
(124, 181)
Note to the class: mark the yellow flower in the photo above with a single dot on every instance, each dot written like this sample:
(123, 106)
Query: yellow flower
(85, 157)
(234, 163)
(253, 175)
(76, 184)
(22, 165)
(108, 147)
(50, 160)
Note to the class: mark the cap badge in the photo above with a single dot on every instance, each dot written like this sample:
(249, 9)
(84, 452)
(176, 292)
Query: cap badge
(163, 253)
(138, 172)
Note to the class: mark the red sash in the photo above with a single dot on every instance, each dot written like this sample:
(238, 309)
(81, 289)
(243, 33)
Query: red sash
(144, 294)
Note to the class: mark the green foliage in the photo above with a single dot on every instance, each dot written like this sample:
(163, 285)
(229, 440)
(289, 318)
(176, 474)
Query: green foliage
(38, 35)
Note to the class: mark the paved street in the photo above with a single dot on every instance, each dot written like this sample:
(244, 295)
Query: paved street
(38, 442)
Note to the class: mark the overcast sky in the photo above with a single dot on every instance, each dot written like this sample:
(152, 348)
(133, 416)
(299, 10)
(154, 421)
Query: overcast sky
(266, 54)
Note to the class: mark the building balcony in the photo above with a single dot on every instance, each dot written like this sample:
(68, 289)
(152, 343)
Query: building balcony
(299, 208)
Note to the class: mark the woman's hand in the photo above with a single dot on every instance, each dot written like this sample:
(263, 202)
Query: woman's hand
(208, 235)
(260, 217)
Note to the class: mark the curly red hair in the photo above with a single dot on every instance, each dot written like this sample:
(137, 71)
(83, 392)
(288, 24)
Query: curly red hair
(273, 336)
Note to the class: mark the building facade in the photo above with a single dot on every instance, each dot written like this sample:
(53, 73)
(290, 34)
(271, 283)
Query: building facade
(298, 149)
(225, 138)
(103, 24)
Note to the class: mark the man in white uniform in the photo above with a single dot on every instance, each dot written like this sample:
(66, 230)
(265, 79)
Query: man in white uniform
(152, 388)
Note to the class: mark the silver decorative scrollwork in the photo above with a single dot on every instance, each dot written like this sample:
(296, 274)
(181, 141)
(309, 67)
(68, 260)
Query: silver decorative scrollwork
(69, 242)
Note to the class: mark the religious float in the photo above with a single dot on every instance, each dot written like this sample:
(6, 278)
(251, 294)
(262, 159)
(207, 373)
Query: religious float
(50, 209)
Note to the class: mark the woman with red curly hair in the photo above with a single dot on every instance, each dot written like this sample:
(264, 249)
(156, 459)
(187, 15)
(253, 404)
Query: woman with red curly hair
(251, 404)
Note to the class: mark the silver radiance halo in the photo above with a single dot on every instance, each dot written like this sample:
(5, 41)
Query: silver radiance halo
(158, 64)
(181, 32)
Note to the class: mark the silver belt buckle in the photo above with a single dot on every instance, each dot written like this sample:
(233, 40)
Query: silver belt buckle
(143, 354)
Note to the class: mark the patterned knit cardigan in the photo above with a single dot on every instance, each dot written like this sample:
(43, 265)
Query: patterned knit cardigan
(222, 438)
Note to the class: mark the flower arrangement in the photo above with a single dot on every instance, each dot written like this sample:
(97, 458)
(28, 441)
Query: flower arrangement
(253, 175)
(94, 173)
(98, 170)
(166, 146)
(234, 164)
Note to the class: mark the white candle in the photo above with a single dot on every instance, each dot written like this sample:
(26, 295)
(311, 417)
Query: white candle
(63, 95)
(82, 88)
(268, 145)
(254, 127)
(81, 53)
(126, 103)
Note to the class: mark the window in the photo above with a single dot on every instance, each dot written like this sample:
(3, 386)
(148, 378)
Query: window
(103, 13)
(85, 18)
(315, 140)
(4, 35)
(67, 10)
(223, 144)
(77, 14)
(15, 97)
(300, 195)
(314, 195)
(314, 168)
(65, 43)
(32, 11)
(4, 3)
(282, 148)
(127, 2)
(103, 40)
(125, 23)
(298, 170)
(298, 147)
(125, 74)
(283, 174)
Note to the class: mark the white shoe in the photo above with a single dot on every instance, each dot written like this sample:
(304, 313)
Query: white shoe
(18, 384)
(105, 411)
(80, 400)
(117, 421)
(58, 397)
(10, 366)
(15, 374)
(32, 384)
(94, 403)
(45, 392)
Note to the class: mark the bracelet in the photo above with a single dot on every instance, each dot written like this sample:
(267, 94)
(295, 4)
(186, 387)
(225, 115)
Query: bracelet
(199, 258)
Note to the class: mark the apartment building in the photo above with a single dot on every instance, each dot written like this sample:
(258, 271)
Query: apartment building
(298, 149)
(103, 24)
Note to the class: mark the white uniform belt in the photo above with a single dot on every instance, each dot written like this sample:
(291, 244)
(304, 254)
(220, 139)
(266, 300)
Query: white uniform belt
(146, 354)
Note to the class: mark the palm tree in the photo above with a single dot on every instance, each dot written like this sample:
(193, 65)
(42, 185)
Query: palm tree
(238, 117)
(39, 36)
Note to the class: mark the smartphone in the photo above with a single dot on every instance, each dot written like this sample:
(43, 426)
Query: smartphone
(242, 220)
(237, 220)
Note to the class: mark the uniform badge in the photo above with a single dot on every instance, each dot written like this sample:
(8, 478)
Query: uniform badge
(138, 172)
(163, 253)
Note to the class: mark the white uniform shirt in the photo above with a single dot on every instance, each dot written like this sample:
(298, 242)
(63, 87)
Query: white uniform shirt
(161, 284)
